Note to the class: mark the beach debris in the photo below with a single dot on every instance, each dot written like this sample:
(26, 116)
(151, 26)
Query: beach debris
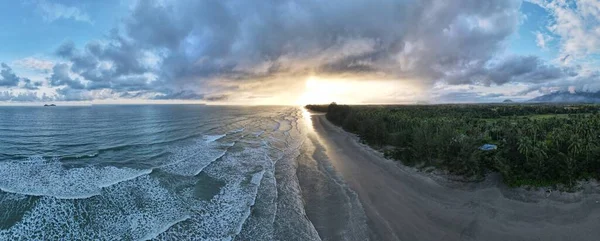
(488, 147)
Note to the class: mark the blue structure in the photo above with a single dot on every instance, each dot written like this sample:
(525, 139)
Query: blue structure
(488, 147)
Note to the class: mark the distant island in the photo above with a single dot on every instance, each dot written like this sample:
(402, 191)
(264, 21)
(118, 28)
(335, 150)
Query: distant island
(49, 105)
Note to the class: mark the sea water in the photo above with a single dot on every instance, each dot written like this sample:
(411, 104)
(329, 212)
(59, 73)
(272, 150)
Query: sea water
(164, 172)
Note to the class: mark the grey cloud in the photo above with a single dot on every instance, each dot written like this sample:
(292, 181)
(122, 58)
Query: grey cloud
(525, 69)
(21, 97)
(216, 98)
(589, 82)
(104, 62)
(8, 77)
(60, 76)
(468, 97)
(234, 40)
(53, 11)
(181, 95)
(30, 85)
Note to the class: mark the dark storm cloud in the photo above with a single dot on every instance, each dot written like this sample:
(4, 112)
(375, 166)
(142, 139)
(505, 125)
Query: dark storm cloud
(184, 45)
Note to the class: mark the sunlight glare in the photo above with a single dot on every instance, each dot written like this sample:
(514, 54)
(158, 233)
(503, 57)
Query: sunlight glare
(348, 91)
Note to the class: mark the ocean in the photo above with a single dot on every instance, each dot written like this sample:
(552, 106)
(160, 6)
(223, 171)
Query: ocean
(169, 172)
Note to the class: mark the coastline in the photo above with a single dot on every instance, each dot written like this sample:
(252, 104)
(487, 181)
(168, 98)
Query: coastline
(402, 203)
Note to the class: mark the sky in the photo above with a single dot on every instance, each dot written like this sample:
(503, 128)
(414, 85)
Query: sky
(296, 51)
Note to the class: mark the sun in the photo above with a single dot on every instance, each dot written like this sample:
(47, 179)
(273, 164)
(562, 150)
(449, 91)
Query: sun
(318, 90)
(321, 91)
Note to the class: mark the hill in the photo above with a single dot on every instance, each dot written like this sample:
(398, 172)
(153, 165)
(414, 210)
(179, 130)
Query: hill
(568, 97)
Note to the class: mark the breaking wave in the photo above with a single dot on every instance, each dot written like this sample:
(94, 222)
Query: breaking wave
(40, 177)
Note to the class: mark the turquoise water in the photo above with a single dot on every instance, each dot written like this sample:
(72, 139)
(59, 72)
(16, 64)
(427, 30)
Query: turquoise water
(165, 172)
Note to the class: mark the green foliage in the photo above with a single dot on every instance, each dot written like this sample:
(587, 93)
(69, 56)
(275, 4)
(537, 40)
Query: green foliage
(537, 144)
(318, 108)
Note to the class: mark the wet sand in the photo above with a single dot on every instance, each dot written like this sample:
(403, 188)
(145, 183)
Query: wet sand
(404, 205)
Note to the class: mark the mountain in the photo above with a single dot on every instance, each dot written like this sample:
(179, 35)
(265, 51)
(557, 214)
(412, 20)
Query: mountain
(507, 101)
(568, 97)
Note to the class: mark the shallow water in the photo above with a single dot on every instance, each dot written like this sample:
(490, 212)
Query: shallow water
(167, 172)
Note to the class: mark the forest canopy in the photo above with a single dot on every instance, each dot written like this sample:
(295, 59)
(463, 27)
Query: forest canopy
(537, 144)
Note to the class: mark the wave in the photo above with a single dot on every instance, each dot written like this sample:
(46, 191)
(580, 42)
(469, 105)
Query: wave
(236, 131)
(82, 156)
(223, 216)
(191, 160)
(108, 203)
(212, 138)
(40, 177)
(260, 224)
(136, 210)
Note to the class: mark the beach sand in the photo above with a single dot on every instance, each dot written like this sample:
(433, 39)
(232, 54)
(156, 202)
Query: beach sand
(403, 204)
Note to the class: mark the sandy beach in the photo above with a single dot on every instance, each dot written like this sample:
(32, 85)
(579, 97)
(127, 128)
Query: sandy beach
(401, 204)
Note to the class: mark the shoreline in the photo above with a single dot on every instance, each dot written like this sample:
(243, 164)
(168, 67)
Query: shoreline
(403, 203)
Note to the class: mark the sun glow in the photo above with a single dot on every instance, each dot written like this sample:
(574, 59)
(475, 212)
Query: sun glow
(325, 91)
(318, 91)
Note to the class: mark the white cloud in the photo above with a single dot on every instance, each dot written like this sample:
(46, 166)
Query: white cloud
(577, 23)
(542, 39)
(34, 64)
(53, 11)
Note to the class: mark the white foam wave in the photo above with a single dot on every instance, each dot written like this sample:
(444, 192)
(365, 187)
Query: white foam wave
(160, 205)
(222, 217)
(191, 160)
(212, 138)
(135, 210)
(290, 218)
(236, 131)
(40, 177)
(260, 224)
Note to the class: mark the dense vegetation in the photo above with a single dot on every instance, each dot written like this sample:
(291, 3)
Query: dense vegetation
(538, 145)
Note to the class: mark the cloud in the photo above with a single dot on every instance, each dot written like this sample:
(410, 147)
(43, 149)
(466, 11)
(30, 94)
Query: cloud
(30, 85)
(469, 97)
(61, 77)
(118, 64)
(51, 12)
(511, 69)
(192, 49)
(27, 96)
(216, 98)
(541, 40)
(9, 79)
(585, 82)
(576, 23)
(181, 95)
(34, 63)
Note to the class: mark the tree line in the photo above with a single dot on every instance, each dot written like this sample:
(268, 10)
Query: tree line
(539, 145)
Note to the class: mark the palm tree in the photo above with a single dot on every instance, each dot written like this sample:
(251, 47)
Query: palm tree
(524, 147)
